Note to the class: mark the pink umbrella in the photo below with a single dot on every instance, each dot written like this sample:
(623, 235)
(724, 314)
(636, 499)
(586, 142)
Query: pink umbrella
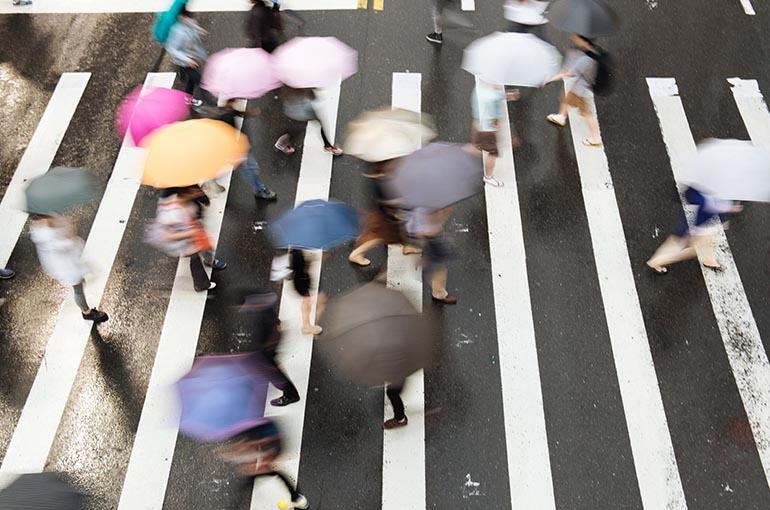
(243, 73)
(306, 62)
(141, 113)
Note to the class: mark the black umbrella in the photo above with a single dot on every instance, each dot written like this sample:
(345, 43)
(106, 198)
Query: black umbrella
(40, 491)
(589, 18)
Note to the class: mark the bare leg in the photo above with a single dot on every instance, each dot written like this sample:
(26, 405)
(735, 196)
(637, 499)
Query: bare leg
(307, 326)
(489, 164)
(438, 282)
(674, 249)
(593, 127)
(357, 255)
(704, 248)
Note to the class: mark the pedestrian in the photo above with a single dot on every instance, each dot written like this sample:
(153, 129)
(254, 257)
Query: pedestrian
(437, 12)
(263, 25)
(687, 242)
(264, 327)
(582, 65)
(526, 16)
(428, 228)
(302, 284)
(393, 391)
(487, 101)
(6, 274)
(383, 223)
(59, 250)
(298, 107)
(254, 452)
(250, 167)
(185, 47)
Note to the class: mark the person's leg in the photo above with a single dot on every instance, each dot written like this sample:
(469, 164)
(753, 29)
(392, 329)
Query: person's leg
(674, 249)
(704, 248)
(201, 280)
(357, 255)
(489, 164)
(399, 416)
(280, 380)
(438, 279)
(308, 328)
(437, 12)
(250, 168)
(593, 127)
(80, 298)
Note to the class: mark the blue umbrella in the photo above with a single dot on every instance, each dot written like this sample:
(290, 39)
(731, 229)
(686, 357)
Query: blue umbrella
(166, 19)
(223, 396)
(315, 225)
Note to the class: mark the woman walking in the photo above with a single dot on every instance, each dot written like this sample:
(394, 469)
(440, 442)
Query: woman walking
(185, 47)
(301, 278)
(298, 107)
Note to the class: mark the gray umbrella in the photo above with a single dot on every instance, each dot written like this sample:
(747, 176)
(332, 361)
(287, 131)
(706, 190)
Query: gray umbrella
(375, 335)
(40, 491)
(437, 176)
(59, 189)
(589, 18)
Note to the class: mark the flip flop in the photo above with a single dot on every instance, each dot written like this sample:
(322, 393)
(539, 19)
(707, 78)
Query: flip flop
(589, 143)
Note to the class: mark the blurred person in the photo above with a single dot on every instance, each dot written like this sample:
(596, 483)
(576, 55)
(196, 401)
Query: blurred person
(582, 65)
(185, 47)
(526, 16)
(301, 279)
(298, 107)
(254, 452)
(6, 274)
(437, 13)
(687, 242)
(263, 25)
(60, 250)
(393, 391)
(486, 103)
(428, 226)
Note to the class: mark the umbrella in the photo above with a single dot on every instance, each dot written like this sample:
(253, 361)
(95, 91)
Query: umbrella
(529, 12)
(375, 335)
(142, 112)
(732, 170)
(308, 62)
(243, 73)
(193, 151)
(60, 189)
(40, 491)
(223, 396)
(589, 18)
(437, 176)
(512, 59)
(165, 20)
(315, 224)
(386, 134)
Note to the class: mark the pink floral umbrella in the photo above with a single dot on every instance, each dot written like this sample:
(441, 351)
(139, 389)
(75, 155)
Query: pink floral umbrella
(142, 112)
(308, 62)
(243, 73)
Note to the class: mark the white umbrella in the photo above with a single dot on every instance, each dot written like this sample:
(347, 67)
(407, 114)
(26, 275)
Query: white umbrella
(512, 59)
(526, 12)
(731, 169)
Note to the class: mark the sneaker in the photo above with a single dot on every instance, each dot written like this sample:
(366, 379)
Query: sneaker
(216, 264)
(435, 38)
(266, 194)
(492, 182)
(195, 103)
(212, 188)
(559, 120)
(283, 400)
(95, 315)
(211, 286)
(22, 2)
(6, 274)
(300, 501)
(394, 423)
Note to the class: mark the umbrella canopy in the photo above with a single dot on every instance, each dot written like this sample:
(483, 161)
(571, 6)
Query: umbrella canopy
(243, 73)
(308, 62)
(437, 176)
(223, 396)
(166, 19)
(40, 491)
(732, 170)
(315, 224)
(60, 189)
(375, 335)
(386, 134)
(142, 112)
(510, 58)
(589, 18)
(193, 151)
(529, 12)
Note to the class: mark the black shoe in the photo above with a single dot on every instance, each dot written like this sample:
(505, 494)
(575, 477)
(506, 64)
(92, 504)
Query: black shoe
(6, 274)
(205, 289)
(95, 315)
(300, 501)
(393, 423)
(283, 400)
(266, 194)
(435, 38)
(216, 264)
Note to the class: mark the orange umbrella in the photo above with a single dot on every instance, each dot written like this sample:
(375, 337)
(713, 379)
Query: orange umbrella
(192, 151)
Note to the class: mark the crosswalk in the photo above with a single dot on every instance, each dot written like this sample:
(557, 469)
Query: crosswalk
(528, 453)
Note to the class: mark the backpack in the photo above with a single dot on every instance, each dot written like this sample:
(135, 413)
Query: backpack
(605, 72)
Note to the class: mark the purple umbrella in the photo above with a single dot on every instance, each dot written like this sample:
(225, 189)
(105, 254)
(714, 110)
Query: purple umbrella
(309, 62)
(142, 112)
(223, 396)
(243, 73)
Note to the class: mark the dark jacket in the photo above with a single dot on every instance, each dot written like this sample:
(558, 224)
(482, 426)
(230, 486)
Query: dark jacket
(263, 25)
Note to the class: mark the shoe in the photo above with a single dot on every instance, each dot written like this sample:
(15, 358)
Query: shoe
(212, 188)
(559, 120)
(6, 274)
(435, 38)
(95, 315)
(394, 423)
(333, 150)
(449, 299)
(312, 330)
(283, 400)
(216, 264)
(22, 2)
(589, 143)
(196, 103)
(266, 194)
(300, 501)
(211, 286)
(283, 144)
(492, 182)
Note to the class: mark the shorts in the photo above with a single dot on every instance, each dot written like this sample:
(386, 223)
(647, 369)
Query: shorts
(578, 102)
(484, 140)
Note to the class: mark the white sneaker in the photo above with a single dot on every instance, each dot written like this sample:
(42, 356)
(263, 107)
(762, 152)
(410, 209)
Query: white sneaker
(558, 119)
(492, 182)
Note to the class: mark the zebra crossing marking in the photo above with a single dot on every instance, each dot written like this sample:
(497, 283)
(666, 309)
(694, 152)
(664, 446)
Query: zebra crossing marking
(128, 6)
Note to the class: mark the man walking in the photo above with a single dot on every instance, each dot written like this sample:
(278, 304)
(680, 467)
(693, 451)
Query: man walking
(186, 50)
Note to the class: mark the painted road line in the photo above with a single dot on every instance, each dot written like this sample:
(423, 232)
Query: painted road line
(403, 449)
(747, 7)
(732, 311)
(38, 156)
(378, 5)
(468, 5)
(156, 435)
(297, 349)
(656, 468)
(36, 429)
(753, 110)
(529, 465)
(117, 6)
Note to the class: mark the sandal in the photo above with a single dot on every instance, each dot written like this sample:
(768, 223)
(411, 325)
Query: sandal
(589, 143)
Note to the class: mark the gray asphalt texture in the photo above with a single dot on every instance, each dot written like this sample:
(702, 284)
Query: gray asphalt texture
(698, 42)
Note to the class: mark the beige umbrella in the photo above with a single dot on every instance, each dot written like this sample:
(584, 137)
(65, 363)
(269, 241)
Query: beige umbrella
(385, 134)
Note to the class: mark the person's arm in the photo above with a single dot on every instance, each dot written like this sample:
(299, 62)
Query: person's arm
(175, 46)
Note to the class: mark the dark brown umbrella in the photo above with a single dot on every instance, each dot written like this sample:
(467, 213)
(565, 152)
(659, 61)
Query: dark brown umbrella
(375, 335)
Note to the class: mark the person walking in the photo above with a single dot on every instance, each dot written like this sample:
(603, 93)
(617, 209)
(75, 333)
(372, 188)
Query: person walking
(59, 250)
(487, 101)
(393, 391)
(687, 242)
(428, 227)
(6, 274)
(526, 16)
(298, 107)
(437, 12)
(301, 279)
(263, 24)
(185, 47)
(582, 65)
